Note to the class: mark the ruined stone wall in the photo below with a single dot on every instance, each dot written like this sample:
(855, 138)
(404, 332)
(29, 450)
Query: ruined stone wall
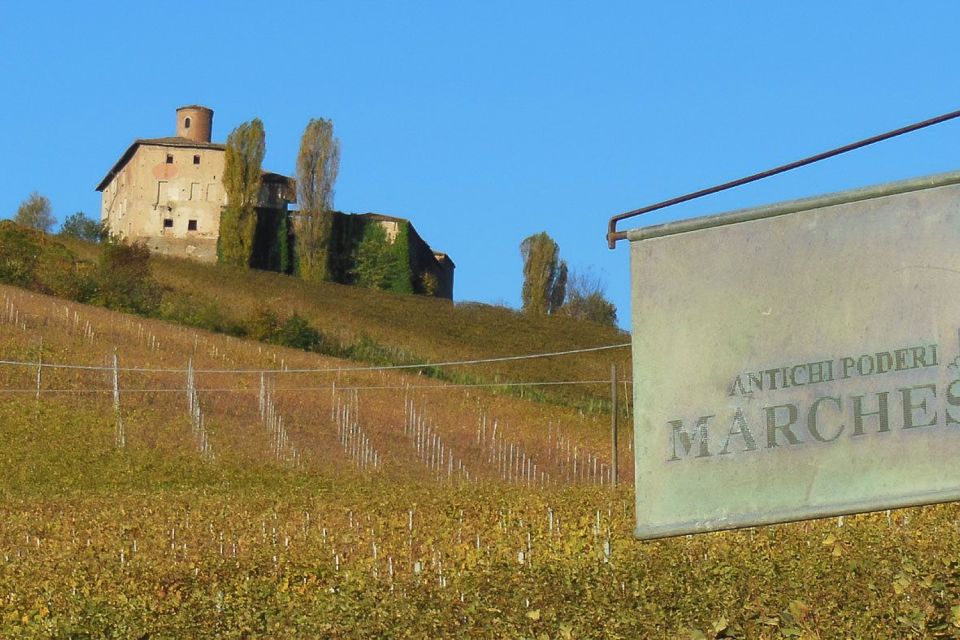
(444, 274)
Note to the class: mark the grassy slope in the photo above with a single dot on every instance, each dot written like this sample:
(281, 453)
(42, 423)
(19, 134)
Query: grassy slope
(424, 329)
(152, 541)
(70, 333)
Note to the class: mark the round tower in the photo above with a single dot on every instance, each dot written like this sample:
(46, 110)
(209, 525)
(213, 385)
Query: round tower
(194, 123)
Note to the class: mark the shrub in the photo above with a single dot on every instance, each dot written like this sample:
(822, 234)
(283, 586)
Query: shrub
(188, 310)
(123, 279)
(30, 260)
(19, 253)
(59, 273)
(297, 333)
(263, 325)
(429, 283)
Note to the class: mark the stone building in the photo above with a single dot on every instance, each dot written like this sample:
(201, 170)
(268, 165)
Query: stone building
(168, 193)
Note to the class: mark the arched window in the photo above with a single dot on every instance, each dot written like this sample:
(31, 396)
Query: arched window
(186, 123)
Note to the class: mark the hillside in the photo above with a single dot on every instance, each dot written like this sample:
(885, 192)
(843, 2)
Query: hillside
(399, 329)
(249, 407)
(217, 493)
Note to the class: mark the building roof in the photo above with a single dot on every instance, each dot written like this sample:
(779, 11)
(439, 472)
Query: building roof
(173, 141)
(186, 143)
(270, 176)
(382, 217)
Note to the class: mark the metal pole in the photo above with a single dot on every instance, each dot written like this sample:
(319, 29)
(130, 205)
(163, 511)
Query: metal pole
(614, 466)
(613, 235)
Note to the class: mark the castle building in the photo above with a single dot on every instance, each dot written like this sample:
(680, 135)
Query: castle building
(168, 193)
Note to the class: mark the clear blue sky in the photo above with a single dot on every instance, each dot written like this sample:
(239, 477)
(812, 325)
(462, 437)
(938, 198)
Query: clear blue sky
(484, 122)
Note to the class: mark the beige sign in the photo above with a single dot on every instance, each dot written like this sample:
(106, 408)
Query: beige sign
(798, 360)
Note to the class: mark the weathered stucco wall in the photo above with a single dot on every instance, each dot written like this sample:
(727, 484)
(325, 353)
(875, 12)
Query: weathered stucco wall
(174, 207)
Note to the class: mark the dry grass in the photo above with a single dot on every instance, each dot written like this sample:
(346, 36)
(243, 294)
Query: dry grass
(416, 328)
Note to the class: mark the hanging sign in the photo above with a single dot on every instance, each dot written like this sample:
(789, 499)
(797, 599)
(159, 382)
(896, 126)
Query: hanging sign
(798, 360)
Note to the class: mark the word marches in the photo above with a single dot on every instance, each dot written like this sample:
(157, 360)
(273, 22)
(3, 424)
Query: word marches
(868, 364)
(825, 418)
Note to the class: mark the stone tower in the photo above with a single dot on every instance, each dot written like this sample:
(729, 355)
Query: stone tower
(194, 123)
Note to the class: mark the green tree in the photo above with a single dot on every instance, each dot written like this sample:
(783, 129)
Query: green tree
(35, 212)
(375, 260)
(242, 175)
(382, 264)
(586, 300)
(317, 166)
(544, 275)
(80, 226)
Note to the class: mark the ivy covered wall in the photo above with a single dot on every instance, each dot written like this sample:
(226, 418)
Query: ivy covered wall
(367, 250)
(272, 242)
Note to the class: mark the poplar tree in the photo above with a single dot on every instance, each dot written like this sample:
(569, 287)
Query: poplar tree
(544, 275)
(317, 166)
(241, 181)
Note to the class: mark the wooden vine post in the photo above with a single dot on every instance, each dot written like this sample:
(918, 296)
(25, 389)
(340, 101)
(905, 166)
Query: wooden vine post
(614, 428)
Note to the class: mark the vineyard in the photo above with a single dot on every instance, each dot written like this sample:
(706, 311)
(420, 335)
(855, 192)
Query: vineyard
(161, 481)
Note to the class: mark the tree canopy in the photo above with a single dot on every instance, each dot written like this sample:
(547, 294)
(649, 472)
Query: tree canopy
(80, 226)
(586, 300)
(35, 212)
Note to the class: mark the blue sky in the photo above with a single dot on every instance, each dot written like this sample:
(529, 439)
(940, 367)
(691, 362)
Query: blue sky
(486, 122)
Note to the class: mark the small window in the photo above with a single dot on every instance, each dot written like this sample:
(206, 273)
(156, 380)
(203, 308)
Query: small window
(186, 123)
(191, 225)
(168, 223)
(169, 158)
(196, 159)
